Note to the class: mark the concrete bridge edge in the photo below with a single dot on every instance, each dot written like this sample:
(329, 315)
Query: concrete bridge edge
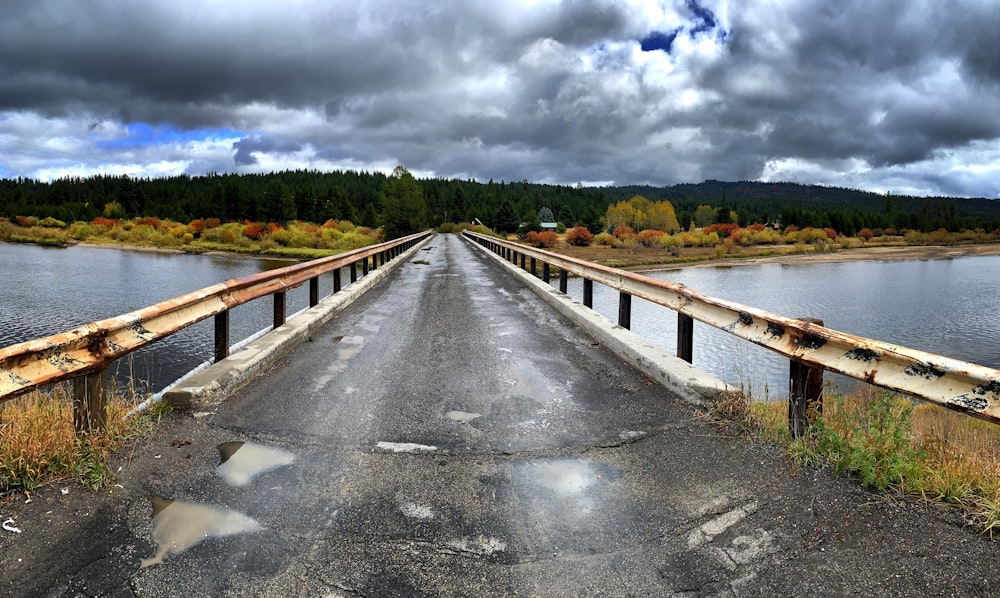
(216, 383)
(692, 384)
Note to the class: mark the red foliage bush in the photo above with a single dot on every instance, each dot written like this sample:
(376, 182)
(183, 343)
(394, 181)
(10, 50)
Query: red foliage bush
(724, 230)
(649, 237)
(579, 236)
(542, 239)
(152, 221)
(255, 230)
(756, 227)
(866, 234)
(624, 232)
(830, 233)
(26, 220)
(108, 222)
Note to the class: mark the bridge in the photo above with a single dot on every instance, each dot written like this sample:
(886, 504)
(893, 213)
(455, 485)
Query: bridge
(436, 427)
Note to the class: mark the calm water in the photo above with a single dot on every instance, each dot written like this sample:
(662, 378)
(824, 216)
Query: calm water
(44, 291)
(948, 307)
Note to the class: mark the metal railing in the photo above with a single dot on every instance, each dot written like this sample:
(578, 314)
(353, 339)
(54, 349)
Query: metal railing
(83, 354)
(965, 387)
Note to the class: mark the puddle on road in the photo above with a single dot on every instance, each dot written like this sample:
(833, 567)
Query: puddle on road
(179, 525)
(243, 461)
(565, 488)
(462, 416)
(563, 476)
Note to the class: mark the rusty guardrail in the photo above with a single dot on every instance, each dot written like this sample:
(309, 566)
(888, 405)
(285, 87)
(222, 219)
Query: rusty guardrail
(965, 387)
(88, 350)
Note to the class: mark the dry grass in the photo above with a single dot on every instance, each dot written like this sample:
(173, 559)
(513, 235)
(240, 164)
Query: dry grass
(946, 457)
(38, 444)
(962, 462)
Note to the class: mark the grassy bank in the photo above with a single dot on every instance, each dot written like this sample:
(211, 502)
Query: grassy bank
(888, 443)
(38, 444)
(301, 240)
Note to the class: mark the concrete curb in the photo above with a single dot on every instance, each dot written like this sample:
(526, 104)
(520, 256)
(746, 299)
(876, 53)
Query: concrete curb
(692, 384)
(217, 382)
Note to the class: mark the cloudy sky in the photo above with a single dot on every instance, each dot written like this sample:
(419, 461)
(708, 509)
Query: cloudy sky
(887, 95)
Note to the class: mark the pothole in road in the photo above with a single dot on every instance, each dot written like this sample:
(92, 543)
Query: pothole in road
(179, 525)
(243, 461)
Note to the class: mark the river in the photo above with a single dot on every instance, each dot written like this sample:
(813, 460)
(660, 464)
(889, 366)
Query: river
(946, 306)
(45, 290)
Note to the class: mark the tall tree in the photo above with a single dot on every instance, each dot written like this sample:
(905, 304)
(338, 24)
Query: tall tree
(404, 210)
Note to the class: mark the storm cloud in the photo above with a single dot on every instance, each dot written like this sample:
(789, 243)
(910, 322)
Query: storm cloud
(898, 96)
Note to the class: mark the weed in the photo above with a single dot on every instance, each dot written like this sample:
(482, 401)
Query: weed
(873, 440)
(38, 443)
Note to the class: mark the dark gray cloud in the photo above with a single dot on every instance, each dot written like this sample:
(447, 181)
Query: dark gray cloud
(893, 95)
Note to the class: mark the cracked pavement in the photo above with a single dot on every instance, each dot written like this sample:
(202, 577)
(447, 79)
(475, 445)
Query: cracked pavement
(451, 435)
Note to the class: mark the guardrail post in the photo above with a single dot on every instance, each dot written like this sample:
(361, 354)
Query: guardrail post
(314, 291)
(625, 311)
(588, 293)
(522, 261)
(336, 280)
(533, 267)
(805, 391)
(89, 414)
(221, 336)
(279, 309)
(685, 337)
(545, 271)
(354, 271)
(364, 267)
(563, 280)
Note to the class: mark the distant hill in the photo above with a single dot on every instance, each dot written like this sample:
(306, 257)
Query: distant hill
(771, 198)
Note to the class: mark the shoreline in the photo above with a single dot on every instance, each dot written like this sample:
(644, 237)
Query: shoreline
(174, 250)
(861, 254)
(878, 253)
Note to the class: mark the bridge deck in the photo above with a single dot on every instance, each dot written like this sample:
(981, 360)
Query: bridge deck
(450, 435)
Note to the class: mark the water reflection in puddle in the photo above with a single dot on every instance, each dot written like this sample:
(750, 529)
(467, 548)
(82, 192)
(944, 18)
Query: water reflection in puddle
(179, 525)
(565, 488)
(563, 476)
(462, 416)
(242, 461)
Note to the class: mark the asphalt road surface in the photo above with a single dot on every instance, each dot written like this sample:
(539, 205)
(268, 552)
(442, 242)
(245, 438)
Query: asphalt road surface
(450, 435)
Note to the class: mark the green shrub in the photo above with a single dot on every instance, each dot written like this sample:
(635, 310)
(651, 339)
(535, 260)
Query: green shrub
(51, 222)
(874, 442)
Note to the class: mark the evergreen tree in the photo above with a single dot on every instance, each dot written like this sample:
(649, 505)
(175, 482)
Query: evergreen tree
(506, 219)
(404, 210)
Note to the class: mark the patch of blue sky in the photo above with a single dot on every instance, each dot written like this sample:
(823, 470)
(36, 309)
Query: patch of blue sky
(702, 14)
(144, 135)
(658, 40)
(702, 20)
